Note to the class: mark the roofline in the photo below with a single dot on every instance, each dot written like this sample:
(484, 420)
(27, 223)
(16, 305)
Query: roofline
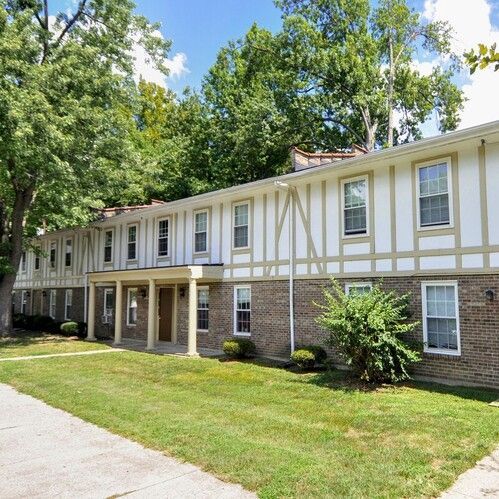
(373, 156)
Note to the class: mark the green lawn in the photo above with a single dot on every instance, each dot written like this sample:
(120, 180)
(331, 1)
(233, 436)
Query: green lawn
(279, 433)
(29, 343)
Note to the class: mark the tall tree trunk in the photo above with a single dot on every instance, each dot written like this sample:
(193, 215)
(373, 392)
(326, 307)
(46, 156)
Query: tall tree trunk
(23, 199)
(389, 97)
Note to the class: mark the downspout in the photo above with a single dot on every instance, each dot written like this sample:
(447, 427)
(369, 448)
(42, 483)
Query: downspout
(291, 244)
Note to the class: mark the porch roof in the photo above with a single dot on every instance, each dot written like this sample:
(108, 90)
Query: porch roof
(170, 274)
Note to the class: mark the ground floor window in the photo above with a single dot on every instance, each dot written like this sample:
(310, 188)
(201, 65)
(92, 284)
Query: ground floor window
(242, 310)
(203, 309)
(132, 307)
(24, 302)
(358, 287)
(108, 304)
(68, 305)
(52, 303)
(441, 317)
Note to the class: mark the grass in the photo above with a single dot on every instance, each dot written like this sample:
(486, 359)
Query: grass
(30, 343)
(279, 433)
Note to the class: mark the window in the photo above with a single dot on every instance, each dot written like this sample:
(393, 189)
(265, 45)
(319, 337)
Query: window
(68, 305)
(68, 256)
(131, 317)
(37, 258)
(203, 306)
(24, 302)
(23, 261)
(132, 242)
(358, 288)
(201, 232)
(52, 303)
(242, 310)
(241, 225)
(441, 317)
(163, 226)
(53, 254)
(108, 302)
(433, 191)
(108, 246)
(355, 207)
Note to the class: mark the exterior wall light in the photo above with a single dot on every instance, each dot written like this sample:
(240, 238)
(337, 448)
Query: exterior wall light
(143, 292)
(182, 292)
(489, 294)
(44, 293)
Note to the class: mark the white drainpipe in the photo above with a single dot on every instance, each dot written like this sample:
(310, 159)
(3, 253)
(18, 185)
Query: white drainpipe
(291, 242)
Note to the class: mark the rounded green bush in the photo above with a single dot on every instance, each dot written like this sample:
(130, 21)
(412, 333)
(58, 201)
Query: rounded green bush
(69, 328)
(238, 348)
(303, 358)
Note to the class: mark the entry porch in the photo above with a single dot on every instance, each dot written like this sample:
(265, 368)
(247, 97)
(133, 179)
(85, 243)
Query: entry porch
(159, 289)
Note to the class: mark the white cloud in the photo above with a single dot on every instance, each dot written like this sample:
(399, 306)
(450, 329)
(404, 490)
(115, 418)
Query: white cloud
(472, 25)
(145, 68)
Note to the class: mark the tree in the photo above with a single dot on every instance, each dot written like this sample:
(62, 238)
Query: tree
(482, 58)
(358, 64)
(64, 88)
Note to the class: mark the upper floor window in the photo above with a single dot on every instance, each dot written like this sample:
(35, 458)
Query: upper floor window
(433, 193)
(68, 305)
(53, 254)
(242, 310)
(241, 225)
(37, 258)
(163, 230)
(203, 309)
(23, 261)
(355, 202)
(68, 258)
(132, 242)
(201, 232)
(441, 317)
(108, 246)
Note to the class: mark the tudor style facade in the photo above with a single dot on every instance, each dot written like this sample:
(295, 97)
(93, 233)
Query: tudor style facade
(421, 216)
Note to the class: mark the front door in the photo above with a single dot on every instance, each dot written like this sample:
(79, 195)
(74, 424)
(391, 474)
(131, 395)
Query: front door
(165, 314)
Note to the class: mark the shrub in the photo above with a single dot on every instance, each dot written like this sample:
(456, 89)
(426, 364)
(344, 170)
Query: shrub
(238, 348)
(82, 329)
(366, 329)
(69, 328)
(309, 355)
(42, 322)
(19, 320)
(303, 358)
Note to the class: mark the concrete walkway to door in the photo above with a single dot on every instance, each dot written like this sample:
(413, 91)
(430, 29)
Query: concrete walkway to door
(46, 452)
(164, 348)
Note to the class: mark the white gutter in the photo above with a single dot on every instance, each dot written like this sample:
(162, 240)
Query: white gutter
(291, 242)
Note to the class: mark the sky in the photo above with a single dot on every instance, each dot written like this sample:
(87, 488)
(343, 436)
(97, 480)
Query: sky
(199, 28)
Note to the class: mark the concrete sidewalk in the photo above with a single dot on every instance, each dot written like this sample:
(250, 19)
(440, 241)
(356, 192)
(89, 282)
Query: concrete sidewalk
(46, 452)
(479, 481)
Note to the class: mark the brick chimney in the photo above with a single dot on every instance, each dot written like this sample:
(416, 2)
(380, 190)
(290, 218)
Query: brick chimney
(303, 160)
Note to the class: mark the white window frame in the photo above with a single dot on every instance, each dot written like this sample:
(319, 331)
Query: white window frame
(435, 162)
(36, 258)
(343, 182)
(53, 303)
(70, 240)
(235, 310)
(53, 245)
(24, 302)
(107, 292)
(440, 351)
(68, 294)
(128, 242)
(108, 262)
(24, 262)
(168, 238)
(128, 293)
(234, 205)
(207, 231)
(202, 288)
(352, 285)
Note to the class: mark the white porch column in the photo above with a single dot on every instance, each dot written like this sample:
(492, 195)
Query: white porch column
(91, 313)
(118, 313)
(151, 316)
(191, 338)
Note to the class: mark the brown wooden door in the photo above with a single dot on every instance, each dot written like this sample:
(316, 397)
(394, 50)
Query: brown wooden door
(165, 314)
